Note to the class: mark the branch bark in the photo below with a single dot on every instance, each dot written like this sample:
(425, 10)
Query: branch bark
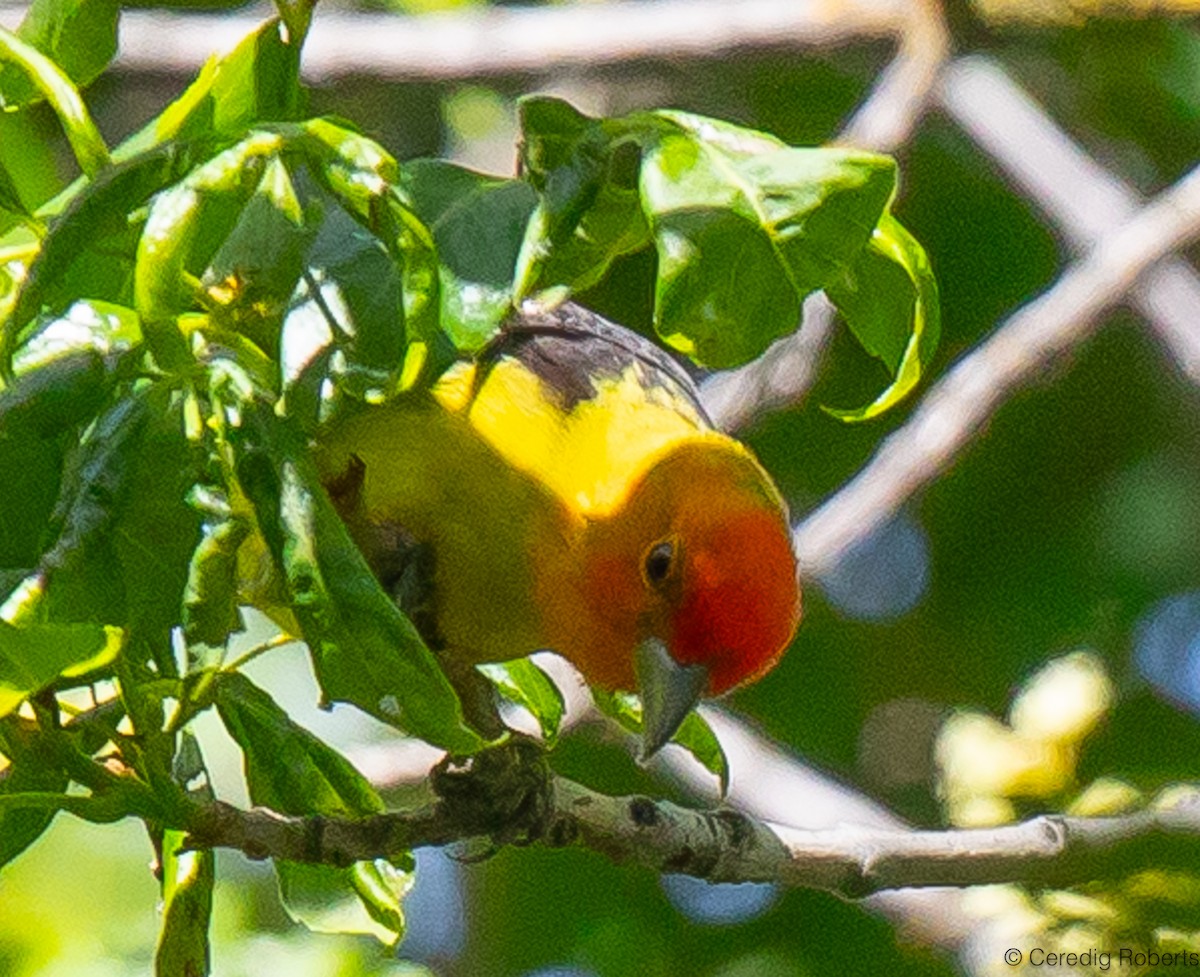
(510, 796)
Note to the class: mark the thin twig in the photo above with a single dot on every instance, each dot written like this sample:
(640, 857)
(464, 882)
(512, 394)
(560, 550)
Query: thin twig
(1072, 189)
(964, 400)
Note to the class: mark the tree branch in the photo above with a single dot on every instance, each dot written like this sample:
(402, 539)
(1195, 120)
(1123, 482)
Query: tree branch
(510, 796)
(964, 400)
(510, 40)
(1077, 193)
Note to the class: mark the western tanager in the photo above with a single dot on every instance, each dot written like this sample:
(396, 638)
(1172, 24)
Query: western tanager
(568, 492)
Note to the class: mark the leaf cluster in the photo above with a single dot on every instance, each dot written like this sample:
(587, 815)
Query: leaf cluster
(179, 323)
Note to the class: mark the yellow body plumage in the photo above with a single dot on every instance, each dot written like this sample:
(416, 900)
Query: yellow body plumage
(541, 476)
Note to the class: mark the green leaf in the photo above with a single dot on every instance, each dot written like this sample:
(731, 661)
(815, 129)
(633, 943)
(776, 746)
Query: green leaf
(80, 36)
(157, 528)
(588, 212)
(697, 737)
(889, 299)
(30, 474)
(188, 880)
(744, 227)
(58, 395)
(365, 651)
(352, 301)
(188, 223)
(694, 734)
(80, 585)
(29, 771)
(287, 768)
(256, 82)
(624, 707)
(28, 164)
(524, 683)
(477, 223)
(123, 529)
(85, 139)
(291, 771)
(721, 296)
(251, 277)
(90, 248)
(188, 877)
(365, 898)
(210, 603)
(362, 176)
(551, 130)
(742, 238)
(34, 656)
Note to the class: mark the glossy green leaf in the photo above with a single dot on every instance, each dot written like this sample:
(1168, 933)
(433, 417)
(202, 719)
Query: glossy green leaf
(90, 249)
(351, 301)
(251, 277)
(889, 299)
(721, 297)
(85, 139)
(27, 164)
(588, 212)
(478, 223)
(362, 176)
(11, 204)
(188, 877)
(188, 223)
(741, 238)
(694, 734)
(88, 328)
(210, 603)
(99, 473)
(80, 36)
(158, 529)
(289, 770)
(256, 82)
(30, 475)
(551, 130)
(35, 655)
(612, 225)
(122, 530)
(697, 737)
(744, 227)
(524, 683)
(297, 15)
(365, 651)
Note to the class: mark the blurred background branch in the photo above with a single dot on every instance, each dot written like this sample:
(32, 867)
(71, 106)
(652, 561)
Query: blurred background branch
(483, 41)
(958, 406)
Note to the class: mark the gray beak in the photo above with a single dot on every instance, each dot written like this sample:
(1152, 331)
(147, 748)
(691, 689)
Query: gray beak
(669, 691)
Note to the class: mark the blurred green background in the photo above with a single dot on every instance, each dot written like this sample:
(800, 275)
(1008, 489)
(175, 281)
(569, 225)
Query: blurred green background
(1072, 523)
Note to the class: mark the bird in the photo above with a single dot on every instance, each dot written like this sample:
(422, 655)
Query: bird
(565, 490)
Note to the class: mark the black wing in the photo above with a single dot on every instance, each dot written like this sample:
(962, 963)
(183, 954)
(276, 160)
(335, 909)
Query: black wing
(570, 347)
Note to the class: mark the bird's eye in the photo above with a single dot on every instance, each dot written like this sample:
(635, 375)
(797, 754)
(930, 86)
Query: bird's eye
(659, 561)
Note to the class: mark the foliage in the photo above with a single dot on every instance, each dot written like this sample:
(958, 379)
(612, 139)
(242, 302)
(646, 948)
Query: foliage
(178, 324)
